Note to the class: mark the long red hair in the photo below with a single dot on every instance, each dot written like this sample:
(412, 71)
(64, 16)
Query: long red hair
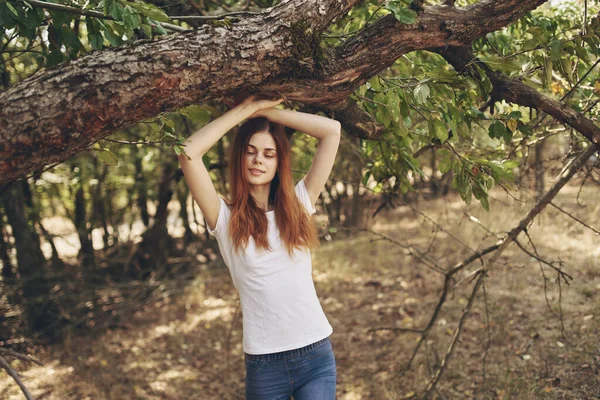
(296, 228)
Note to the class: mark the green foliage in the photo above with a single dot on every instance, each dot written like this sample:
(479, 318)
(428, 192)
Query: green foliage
(70, 35)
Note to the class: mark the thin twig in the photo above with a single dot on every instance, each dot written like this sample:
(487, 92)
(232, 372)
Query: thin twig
(543, 274)
(13, 374)
(433, 382)
(412, 251)
(540, 259)
(575, 218)
(20, 356)
(92, 13)
(560, 311)
(489, 336)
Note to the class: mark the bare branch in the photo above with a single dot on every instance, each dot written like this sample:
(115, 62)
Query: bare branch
(13, 374)
(575, 218)
(503, 244)
(514, 91)
(433, 382)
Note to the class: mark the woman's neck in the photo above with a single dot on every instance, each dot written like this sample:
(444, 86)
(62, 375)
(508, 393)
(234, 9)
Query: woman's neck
(260, 193)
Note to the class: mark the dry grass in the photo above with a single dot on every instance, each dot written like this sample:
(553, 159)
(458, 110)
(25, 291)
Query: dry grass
(187, 345)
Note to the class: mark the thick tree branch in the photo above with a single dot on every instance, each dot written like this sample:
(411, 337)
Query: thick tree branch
(57, 113)
(514, 91)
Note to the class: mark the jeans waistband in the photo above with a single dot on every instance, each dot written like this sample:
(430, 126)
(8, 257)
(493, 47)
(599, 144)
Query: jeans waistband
(288, 353)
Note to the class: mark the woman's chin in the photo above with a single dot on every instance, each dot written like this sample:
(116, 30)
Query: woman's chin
(258, 180)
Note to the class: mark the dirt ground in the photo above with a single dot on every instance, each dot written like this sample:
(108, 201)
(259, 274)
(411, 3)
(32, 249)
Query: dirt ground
(186, 343)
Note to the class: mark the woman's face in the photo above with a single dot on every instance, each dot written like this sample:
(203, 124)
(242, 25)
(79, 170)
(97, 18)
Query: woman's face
(261, 159)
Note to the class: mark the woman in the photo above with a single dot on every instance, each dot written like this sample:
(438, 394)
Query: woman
(265, 234)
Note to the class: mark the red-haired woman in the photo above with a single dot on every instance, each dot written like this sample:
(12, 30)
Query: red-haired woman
(265, 234)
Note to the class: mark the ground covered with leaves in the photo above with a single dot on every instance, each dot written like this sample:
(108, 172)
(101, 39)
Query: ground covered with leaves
(525, 338)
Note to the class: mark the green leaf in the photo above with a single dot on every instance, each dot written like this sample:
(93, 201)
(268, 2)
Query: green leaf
(404, 109)
(556, 49)
(12, 9)
(147, 30)
(70, 38)
(510, 164)
(485, 202)
(547, 76)
(108, 157)
(421, 93)
(515, 114)
(7, 19)
(55, 57)
(197, 114)
(463, 129)
(157, 26)
(60, 17)
(131, 19)
(109, 32)
(151, 11)
(402, 14)
(365, 178)
(394, 105)
(115, 10)
(441, 131)
(497, 130)
(445, 161)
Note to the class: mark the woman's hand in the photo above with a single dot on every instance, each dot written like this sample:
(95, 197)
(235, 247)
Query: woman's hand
(260, 106)
(252, 103)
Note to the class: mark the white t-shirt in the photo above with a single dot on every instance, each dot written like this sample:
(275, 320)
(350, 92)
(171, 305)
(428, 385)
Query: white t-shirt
(280, 307)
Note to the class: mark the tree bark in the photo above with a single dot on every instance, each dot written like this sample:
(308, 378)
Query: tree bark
(58, 112)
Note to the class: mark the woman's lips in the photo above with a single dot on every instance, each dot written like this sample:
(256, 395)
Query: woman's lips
(256, 172)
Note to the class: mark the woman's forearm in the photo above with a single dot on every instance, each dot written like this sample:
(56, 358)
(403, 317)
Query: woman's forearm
(313, 125)
(202, 140)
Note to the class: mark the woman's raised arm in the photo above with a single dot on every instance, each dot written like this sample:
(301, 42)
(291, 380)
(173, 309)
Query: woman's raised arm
(327, 130)
(198, 144)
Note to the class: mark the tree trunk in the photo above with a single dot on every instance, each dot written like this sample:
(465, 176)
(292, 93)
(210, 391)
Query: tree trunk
(41, 312)
(153, 250)
(182, 196)
(141, 189)
(57, 263)
(7, 268)
(85, 256)
(99, 202)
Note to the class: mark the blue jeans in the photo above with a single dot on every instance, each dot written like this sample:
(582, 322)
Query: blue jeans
(307, 373)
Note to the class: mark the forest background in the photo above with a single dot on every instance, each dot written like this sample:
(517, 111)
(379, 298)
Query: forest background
(111, 288)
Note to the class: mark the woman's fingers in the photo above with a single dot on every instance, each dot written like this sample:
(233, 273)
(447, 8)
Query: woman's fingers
(262, 104)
